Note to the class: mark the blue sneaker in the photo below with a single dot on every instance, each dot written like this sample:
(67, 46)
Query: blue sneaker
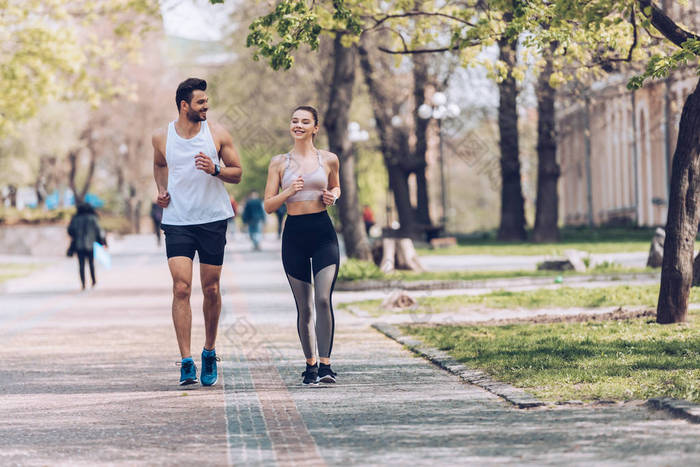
(188, 372)
(209, 370)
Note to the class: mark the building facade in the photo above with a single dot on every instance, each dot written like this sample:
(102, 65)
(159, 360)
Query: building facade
(615, 147)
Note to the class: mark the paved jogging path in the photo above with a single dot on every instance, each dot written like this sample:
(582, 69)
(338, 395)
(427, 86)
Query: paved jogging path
(89, 378)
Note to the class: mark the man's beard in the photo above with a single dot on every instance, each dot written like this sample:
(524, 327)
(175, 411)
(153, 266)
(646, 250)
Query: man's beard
(195, 117)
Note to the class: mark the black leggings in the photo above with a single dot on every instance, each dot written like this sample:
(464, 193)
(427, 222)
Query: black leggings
(82, 256)
(309, 243)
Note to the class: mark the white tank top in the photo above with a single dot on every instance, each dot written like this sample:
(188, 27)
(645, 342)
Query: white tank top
(195, 196)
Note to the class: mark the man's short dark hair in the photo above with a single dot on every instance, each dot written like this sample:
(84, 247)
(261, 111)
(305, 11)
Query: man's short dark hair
(186, 88)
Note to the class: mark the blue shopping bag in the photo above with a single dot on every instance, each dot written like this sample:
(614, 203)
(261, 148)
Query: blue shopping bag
(102, 255)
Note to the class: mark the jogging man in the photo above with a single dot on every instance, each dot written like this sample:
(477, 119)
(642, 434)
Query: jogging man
(196, 208)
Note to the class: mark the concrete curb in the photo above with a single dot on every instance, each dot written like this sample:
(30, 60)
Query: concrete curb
(379, 284)
(676, 407)
(515, 396)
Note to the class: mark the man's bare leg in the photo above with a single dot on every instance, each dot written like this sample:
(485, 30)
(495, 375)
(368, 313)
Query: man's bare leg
(210, 277)
(181, 271)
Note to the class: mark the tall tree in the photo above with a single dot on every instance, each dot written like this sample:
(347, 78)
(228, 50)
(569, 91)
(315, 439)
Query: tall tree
(389, 93)
(548, 171)
(49, 50)
(466, 26)
(592, 21)
(336, 124)
(512, 225)
(89, 143)
(683, 213)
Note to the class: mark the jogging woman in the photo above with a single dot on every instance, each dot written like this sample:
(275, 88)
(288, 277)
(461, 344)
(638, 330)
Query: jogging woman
(306, 179)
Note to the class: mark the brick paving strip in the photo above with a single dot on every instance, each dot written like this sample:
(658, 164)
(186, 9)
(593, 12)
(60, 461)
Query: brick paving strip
(285, 431)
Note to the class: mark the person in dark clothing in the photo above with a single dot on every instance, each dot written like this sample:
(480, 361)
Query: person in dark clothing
(254, 217)
(156, 217)
(368, 218)
(232, 221)
(84, 230)
(281, 212)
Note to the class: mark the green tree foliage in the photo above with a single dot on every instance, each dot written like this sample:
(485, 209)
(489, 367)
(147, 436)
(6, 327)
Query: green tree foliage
(50, 49)
(592, 37)
(601, 33)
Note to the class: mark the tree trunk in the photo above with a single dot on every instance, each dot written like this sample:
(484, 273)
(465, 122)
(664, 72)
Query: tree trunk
(73, 157)
(336, 124)
(682, 222)
(393, 143)
(423, 206)
(512, 202)
(72, 170)
(12, 195)
(548, 171)
(41, 181)
(696, 271)
(132, 206)
(421, 79)
(92, 150)
(398, 183)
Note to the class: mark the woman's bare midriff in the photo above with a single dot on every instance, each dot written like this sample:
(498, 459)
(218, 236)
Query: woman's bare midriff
(305, 207)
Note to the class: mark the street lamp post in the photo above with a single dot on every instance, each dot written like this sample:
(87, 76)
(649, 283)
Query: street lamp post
(440, 110)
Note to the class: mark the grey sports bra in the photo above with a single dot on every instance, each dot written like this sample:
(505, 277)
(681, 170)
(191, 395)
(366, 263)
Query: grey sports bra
(314, 182)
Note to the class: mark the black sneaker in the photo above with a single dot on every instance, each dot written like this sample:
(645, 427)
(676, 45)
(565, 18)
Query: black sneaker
(310, 375)
(325, 374)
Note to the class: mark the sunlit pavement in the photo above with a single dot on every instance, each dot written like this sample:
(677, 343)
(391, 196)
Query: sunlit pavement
(89, 378)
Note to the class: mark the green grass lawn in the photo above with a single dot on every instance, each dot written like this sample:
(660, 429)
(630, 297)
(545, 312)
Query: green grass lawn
(611, 360)
(562, 297)
(12, 270)
(606, 240)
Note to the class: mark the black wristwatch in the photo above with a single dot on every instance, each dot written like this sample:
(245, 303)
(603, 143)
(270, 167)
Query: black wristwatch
(217, 170)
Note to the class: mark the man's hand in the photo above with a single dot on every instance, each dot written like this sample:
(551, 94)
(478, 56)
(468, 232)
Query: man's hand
(204, 163)
(163, 199)
(328, 198)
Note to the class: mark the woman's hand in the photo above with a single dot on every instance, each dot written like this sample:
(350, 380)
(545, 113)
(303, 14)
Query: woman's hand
(328, 198)
(296, 186)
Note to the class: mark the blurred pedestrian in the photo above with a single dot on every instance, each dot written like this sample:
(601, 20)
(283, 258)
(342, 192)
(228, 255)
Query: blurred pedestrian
(307, 180)
(281, 212)
(192, 159)
(84, 230)
(232, 221)
(254, 218)
(157, 218)
(368, 217)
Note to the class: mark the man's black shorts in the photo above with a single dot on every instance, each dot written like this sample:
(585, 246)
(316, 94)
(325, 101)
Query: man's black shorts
(209, 240)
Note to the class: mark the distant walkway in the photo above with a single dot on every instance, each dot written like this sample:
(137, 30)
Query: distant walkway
(510, 263)
(89, 378)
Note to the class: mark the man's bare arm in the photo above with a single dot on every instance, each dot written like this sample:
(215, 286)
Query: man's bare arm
(160, 169)
(232, 172)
